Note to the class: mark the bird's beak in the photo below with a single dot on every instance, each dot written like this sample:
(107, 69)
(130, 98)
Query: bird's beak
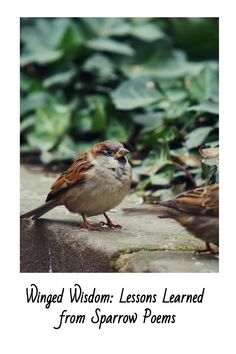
(121, 152)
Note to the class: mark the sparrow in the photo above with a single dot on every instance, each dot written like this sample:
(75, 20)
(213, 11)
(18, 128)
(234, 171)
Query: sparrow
(95, 183)
(197, 210)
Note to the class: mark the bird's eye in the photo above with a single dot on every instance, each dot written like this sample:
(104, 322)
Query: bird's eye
(108, 153)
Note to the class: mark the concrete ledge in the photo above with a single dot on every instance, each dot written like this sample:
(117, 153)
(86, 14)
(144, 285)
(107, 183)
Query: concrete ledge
(165, 262)
(57, 243)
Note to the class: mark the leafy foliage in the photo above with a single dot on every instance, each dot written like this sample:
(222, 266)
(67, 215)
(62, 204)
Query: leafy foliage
(150, 83)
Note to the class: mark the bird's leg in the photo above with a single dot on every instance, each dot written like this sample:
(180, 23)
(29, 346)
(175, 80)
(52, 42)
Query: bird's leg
(88, 226)
(207, 249)
(109, 223)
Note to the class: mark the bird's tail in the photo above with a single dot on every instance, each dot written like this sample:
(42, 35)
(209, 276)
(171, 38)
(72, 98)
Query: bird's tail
(42, 209)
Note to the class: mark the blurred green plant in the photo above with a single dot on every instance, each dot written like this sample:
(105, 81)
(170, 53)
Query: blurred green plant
(149, 83)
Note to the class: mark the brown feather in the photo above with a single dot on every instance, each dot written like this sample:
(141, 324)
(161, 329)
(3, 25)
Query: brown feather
(201, 201)
(76, 173)
(63, 191)
(197, 210)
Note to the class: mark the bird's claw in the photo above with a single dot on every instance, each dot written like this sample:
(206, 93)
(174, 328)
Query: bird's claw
(91, 227)
(110, 225)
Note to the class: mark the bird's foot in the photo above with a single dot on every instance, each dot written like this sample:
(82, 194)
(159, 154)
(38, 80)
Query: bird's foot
(91, 227)
(88, 226)
(208, 249)
(109, 223)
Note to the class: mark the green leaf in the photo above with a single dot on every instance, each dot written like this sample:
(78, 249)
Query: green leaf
(25, 83)
(72, 39)
(204, 86)
(27, 123)
(66, 150)
(210, 164)
(183, 155)
(176, 94)
(197, 137)
(118, 131)
(51, 123)
(161, 179)
(155, 160)
(147, 32)
(165, 135)
(173, 67)
(62, 78)
(149, 119)
(46, 32)
(98, 112)
(176, 110)
(43, 40)
(135, 93)
(40, 142)
(110, 45)
(33, 101)
(210, 172)
(172, 94)
(82, 122)
(44, 56)
(209, 107)
(100, 64)
(106, 27)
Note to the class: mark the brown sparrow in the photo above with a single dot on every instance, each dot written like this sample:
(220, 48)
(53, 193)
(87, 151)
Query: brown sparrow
(197, 210)
(95, 183)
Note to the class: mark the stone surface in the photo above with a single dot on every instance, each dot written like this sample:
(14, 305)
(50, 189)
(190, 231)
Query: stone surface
(166, 262)
(57, 243)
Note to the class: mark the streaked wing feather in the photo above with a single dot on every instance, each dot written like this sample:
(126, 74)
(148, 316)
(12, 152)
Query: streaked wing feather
(75, 174)
(203, 200)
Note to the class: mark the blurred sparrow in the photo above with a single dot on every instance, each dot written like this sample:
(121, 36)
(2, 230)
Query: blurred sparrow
(95, 183)
(197, 210)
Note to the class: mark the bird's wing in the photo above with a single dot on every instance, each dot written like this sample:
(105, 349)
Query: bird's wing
(203, 201)
(75, 174)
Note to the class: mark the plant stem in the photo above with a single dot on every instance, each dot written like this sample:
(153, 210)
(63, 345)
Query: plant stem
(188, 174)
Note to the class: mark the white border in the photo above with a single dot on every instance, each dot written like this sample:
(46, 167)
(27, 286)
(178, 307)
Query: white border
(198, 328)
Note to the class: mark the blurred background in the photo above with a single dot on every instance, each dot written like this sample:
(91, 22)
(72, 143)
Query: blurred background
(151, 83)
